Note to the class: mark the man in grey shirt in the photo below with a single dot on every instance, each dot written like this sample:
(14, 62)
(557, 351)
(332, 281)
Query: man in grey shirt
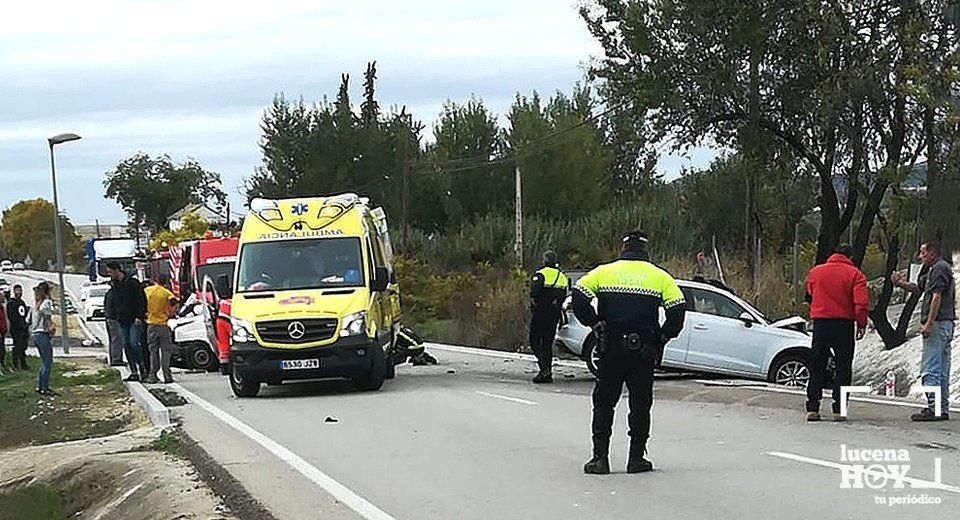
(938, 312)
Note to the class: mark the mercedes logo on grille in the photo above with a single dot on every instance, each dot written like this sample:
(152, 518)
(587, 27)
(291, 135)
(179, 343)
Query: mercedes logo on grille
(296, 330)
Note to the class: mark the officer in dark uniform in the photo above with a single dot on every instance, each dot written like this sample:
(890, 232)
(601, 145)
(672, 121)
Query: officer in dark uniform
(547, 292)
(630, 342)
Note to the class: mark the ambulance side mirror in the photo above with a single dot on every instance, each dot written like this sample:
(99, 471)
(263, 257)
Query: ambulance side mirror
(381, 279)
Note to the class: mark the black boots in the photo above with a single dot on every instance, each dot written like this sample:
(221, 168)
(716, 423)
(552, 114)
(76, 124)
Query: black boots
(637, 463)
(597, 466)
(601, 466)
(543, 377)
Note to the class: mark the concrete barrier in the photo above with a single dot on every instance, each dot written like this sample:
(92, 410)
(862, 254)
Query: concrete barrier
(158, 412)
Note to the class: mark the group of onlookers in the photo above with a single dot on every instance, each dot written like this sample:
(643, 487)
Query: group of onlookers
(837, 291)
(137, 323)
(21, 323)
(136, 320)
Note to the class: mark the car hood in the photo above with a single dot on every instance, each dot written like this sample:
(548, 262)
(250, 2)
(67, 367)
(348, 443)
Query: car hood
(793, 323)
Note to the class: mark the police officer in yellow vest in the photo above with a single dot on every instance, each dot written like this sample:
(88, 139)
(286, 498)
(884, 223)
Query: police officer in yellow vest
(630, 343)
(547, 292)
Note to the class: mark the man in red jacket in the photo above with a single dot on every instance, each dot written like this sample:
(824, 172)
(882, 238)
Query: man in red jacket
(837, 292)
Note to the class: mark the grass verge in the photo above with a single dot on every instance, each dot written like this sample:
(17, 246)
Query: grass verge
(92, 403)
(33, 502)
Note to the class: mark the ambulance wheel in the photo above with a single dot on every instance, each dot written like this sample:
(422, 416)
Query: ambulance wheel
(391, 365)
(241, 386)
(375, 376)
(202, 358)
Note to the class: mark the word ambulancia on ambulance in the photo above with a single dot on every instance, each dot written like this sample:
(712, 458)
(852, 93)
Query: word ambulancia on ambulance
(315, 294)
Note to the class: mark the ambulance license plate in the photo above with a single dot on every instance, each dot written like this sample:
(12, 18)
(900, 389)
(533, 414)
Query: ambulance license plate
(299, 364)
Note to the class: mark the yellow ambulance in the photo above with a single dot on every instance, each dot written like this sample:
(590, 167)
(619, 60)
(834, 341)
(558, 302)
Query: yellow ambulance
(315, 295)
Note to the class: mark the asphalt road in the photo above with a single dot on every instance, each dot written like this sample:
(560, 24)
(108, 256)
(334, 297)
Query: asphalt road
(473, 439)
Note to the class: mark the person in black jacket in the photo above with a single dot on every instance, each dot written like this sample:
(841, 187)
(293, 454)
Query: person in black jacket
(19, 328)
(129, 308)
(114, 340)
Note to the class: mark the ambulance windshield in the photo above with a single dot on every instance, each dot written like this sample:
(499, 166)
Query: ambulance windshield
(300, 264)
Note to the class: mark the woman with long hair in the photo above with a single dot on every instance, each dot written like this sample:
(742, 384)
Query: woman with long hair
(41, 328)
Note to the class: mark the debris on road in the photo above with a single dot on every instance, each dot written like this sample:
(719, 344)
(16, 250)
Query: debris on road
(330, 419)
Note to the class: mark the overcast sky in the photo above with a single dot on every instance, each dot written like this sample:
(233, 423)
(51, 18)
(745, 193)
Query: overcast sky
(191, 78)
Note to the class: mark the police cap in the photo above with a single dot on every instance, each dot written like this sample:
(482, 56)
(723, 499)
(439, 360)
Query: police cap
(550, 258)
(634, 240)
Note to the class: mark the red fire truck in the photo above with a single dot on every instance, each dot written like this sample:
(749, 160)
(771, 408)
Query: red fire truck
(202, 274)
(193, 260)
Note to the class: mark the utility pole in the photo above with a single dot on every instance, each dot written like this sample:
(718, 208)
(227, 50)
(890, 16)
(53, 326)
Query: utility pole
(406, 166)
(518, 228)
(97, 221)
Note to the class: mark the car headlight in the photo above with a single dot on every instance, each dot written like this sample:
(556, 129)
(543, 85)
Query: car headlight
(242, 331)
(354, 324)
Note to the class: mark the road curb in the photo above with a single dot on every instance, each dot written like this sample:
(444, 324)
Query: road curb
(158, 412)
(500, 354)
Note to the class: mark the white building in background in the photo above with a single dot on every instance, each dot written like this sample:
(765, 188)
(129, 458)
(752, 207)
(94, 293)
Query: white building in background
(175, 221)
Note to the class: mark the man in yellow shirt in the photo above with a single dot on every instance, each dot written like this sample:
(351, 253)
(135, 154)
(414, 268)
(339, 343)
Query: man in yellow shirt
(161, 303)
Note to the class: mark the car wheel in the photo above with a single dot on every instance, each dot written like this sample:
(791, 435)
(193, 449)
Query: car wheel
(241, 386)
(590, 355)
(202, 358)
(791, 370)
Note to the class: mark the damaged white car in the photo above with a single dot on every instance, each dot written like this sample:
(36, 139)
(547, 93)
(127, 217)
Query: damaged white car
(722, 334)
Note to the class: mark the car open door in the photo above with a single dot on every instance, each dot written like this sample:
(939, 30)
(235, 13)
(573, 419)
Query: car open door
(210, 302)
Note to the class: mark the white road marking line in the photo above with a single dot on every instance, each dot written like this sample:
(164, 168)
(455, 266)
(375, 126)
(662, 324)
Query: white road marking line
(360, 505)
(112, 505)
(508, 398)
(866, 471)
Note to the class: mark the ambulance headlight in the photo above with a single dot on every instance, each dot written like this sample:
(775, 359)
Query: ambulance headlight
(242, 331)
(354, 324)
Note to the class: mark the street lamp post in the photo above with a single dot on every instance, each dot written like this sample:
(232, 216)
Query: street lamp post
(53, 141)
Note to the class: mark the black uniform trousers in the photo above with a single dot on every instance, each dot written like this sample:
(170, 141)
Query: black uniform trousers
(614, 369)
(839, 336)
(543, 331)
(20, 341)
